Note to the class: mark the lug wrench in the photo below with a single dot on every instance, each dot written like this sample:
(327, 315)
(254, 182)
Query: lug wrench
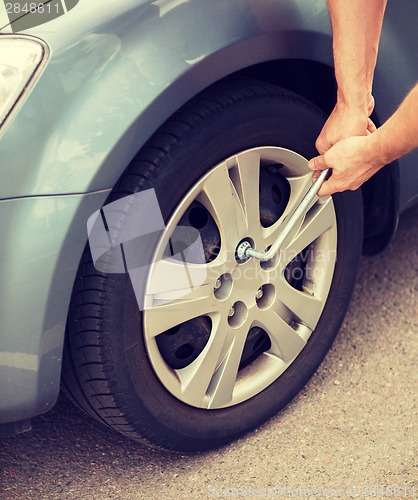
(245, 250)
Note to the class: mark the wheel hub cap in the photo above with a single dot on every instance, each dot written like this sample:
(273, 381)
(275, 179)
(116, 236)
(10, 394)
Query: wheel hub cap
(235, 334)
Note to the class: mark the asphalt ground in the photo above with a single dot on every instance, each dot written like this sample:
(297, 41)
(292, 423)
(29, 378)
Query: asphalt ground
(351, 432)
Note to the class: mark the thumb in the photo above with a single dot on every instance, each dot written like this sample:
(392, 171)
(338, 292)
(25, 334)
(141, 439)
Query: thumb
(317, 163)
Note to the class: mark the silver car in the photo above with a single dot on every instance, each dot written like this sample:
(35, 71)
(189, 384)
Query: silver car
(214, 108)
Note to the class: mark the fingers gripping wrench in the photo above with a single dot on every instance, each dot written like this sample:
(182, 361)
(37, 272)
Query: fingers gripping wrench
(245, 250)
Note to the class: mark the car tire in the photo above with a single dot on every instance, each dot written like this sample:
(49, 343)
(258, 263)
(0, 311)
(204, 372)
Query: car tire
(122, 377)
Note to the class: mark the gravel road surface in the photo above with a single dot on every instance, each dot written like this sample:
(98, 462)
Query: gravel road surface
(352, 428)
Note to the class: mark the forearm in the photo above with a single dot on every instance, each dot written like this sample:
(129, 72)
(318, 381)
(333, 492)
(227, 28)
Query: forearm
(356, 26)
(398, 135)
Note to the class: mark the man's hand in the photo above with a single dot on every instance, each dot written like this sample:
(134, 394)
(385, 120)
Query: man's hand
(353, 162)
(355, 159)
(345, 121)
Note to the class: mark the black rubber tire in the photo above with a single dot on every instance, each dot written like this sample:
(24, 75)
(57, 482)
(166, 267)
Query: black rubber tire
(106, 368)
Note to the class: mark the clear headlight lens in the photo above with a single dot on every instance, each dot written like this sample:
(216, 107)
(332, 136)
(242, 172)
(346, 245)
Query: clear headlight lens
(21, 62)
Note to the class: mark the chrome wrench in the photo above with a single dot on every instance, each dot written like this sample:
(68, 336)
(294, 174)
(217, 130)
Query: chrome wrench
(245, 250)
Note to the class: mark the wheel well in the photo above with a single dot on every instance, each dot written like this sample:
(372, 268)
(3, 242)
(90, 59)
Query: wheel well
(380, 201)
(310, 79)
(316, 82)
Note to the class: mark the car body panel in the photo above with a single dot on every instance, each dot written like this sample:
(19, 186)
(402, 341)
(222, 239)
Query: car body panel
(117, 72)
(37, 268)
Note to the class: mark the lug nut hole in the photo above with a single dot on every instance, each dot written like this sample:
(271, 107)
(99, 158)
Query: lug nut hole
(223, 286)
(237, 314)
(265, 296)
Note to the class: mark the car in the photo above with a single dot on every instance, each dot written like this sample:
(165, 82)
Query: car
(126, 126)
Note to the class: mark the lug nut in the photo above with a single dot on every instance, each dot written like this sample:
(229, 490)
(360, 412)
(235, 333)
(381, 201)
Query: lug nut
(231, 312)
(259, 293)
(218, 284)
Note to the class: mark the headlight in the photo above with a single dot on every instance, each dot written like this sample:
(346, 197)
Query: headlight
(22, 59)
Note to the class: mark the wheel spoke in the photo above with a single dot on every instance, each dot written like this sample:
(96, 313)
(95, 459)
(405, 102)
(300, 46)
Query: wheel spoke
(174, 311)
(319, 219)
(196, 378)
(175, 278)
(178, 292)
(285, 342)
(246, 177)
(304, 306)
(298, 188)
(222, 384)
(220, 198)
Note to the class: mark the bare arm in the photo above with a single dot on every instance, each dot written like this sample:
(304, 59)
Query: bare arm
(356, 159)
(399, 135)
(356, 26)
